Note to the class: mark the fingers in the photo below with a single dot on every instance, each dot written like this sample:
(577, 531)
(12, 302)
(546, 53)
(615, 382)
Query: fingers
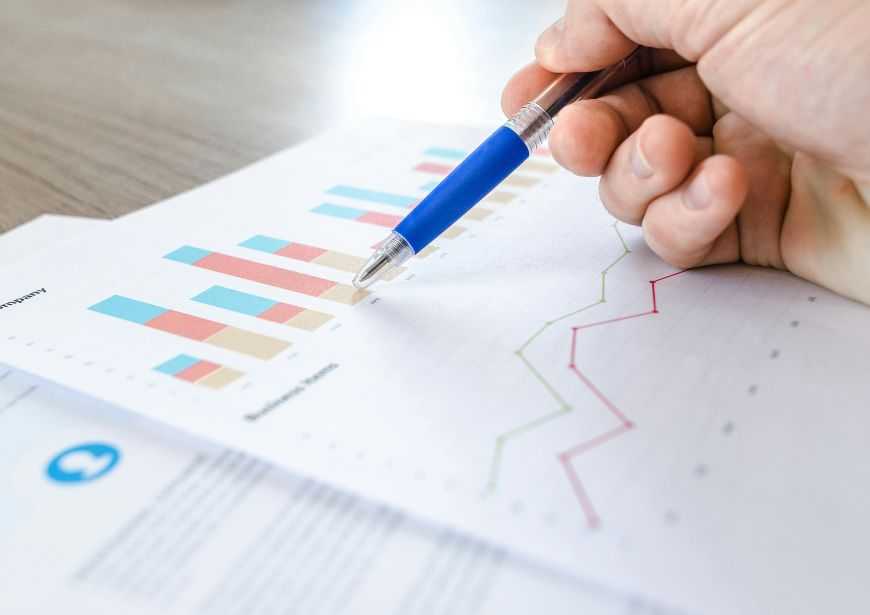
(666, 82)
(679, 93)
(694, 224)
(585, 136)
(596, 33)
(769, 170)
(650, 163)
(565, 46)
(588, 132)
(524, 86)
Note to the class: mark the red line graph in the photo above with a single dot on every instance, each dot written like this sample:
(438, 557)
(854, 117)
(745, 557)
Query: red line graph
(567, 457)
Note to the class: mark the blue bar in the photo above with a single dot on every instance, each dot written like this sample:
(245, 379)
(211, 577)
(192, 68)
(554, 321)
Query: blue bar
(446, 152)
(338, 211)
(177, 365)
(128, 309)
(373, 196)
(188, 255)
(430, 186)
(265, 244)
(228, 299)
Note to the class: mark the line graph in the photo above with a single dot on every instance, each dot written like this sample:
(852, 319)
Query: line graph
(563, 407)
(567, 457)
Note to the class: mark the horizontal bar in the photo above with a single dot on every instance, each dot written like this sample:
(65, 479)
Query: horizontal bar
(220, 378)
(499, 196)
(246, 342)
(374, 196)
(357, 215)
(306, 253)
(186, 325)
(198, 371)
(539, 166)
(263, 308)
(177, 364)
(434, 167)
(379, 219)
(192, 327)
(128, 309)
(264, 243)
(478, 213)
(339, 211)
(228, 299)
(272, 276)
(520, 181)
(453, 232)
(446, 152)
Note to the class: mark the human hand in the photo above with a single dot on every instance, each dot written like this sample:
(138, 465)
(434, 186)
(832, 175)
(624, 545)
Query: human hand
(750, 142)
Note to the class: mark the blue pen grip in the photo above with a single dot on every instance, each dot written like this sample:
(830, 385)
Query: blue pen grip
(484, 169)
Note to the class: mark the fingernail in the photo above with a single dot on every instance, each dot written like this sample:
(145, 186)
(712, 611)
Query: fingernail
(698, 195)
(640, 166)
(551, 36)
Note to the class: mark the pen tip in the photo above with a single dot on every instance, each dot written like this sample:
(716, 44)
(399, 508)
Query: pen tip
(372, 270)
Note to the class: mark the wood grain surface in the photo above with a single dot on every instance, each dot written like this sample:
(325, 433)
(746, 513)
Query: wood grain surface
(110, 105)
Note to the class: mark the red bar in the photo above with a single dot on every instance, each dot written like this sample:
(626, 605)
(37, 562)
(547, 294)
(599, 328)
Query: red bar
(434, 167)
(197, 371)
(185, 325)
(266, 274)
(300, 252)
(373, 217)
(281, 312)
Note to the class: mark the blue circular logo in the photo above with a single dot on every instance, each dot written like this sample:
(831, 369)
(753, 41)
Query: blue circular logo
(82, 463)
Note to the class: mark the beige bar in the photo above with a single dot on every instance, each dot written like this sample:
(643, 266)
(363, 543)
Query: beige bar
(500, 196)
(478, 213)
(340, 261)
(309, 320)
(539, 166)
(220, 378)
(246, 342)
(345, 294)
(520, 181)
(427, 251)
(453, 232)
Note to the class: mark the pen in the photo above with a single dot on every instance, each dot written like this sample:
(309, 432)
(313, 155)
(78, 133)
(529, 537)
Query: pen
(487, 166)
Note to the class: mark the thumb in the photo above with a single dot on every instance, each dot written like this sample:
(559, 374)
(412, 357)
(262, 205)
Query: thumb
(594, 34)
(567, 46)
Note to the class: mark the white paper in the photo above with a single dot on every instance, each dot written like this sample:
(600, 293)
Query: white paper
(688, 447)
(182, 527)
(134, 539)
(40, 233)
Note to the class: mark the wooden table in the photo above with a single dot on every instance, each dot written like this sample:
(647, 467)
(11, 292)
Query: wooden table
(110, 105)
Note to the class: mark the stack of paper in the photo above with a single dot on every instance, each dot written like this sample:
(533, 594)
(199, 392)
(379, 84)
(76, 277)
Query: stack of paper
(537, 414)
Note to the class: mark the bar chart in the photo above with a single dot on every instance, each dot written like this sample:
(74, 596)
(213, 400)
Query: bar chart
(191, 327)
(373, 217)
(371, 205)
(374, 196)
(357, 215)
(516, 180)
(286, 279)
(199, 371)
(263, 308)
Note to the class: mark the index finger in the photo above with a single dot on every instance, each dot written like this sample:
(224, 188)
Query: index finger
(594, 34)
(532, 79)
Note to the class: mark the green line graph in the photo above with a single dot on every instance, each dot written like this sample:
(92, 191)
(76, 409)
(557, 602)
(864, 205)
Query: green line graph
(562, 406)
